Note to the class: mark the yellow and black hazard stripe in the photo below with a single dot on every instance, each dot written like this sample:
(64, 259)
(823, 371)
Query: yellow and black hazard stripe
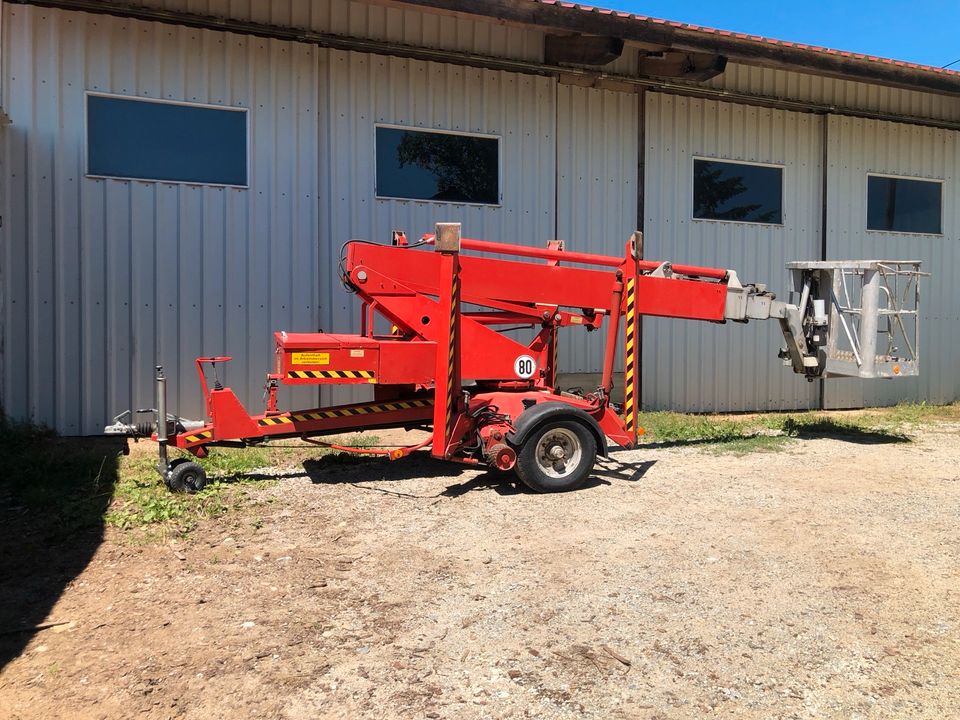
(391, 406)
(197, 437)
(629, 376)
(452, 350)
(369, 375)
(554, 353)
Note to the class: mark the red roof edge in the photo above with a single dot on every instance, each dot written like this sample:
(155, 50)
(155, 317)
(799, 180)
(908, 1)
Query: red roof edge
(759, 39)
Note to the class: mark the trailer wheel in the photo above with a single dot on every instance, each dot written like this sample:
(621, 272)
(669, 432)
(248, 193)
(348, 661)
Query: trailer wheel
(186, 477)
(557, 457)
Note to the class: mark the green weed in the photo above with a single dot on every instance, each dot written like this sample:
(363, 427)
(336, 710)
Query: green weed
(919, 413)
(55, 487)
(750, 444)
(238, 462)
(141, 499)
(674, 427)
(769, 432)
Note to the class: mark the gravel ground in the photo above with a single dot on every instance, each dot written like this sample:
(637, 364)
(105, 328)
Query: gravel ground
(820, 581)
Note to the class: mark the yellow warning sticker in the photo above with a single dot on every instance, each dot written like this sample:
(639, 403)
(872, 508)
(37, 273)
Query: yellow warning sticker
(311, 358)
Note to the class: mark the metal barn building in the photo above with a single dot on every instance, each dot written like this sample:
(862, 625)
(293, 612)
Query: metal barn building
(178, 177)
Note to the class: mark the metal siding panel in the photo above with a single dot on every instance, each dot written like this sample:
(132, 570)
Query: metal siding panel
(704, 367)
(413, 27)
(596, 189)
(15, 273)
(835, 91)
(103, 278)
(116, 270)
(857, 147)
(41, 238)
(68, 340)
(143, 265)
(379, 22)
(363, 90)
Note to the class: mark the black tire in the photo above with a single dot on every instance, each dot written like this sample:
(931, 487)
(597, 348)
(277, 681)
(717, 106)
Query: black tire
(185, 476)
(556, 457)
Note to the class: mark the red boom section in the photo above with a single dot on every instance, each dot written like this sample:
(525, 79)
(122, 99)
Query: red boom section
(582, 258)
(685, 299)
(482, 279)
(522, 286)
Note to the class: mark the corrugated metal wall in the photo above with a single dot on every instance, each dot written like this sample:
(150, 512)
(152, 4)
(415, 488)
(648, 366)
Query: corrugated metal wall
(104, 277)
(704, 367)
(857, 147)
(371, 20)
(362, 90)
(832, 91)
(597, 137)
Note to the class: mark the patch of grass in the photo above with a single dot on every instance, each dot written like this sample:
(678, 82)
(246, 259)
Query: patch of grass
(142, 500)
(841, 428)
(674, 427)
(55, 487)
(768, 432)
(750, 444)
(238, 462)
(919, 413)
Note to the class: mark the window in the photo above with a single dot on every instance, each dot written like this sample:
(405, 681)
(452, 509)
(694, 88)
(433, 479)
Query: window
(166, 141)
(441, 166)
(737, 191)
(903, 205)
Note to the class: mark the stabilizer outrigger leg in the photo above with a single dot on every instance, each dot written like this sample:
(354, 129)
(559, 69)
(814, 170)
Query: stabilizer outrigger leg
(163, 466)
(181, 475)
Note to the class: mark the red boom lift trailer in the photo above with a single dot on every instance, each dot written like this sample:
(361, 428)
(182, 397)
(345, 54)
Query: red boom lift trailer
(489, 399)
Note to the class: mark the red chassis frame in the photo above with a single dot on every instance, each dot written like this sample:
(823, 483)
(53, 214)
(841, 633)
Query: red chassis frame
(417, 370)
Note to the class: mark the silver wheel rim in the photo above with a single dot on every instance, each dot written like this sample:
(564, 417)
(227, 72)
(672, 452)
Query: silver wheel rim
(558, 453)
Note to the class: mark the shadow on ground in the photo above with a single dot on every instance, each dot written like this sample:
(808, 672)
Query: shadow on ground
(817, 429)
(843, 431)
(54, 493)
(358, 471)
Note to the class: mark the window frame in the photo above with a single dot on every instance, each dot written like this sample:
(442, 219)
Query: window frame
(866, 203)
(783, 205)
(440, 131)
(86, 139)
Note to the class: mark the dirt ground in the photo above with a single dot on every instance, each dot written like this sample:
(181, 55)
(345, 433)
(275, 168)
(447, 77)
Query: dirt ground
(820, 581)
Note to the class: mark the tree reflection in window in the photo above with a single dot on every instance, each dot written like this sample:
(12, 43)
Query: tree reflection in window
(737, 192)
(447, 167)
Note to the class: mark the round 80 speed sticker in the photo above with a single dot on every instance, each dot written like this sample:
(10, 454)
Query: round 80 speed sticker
(524, 367)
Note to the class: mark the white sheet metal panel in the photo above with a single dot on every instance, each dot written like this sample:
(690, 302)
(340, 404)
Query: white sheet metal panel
(372, 21)
(364, 90)
(104, 278)
(840, 93)
(706, 367)
(597, 136)
(857, 147)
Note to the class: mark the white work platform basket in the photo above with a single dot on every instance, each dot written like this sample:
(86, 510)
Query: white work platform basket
(869, 310)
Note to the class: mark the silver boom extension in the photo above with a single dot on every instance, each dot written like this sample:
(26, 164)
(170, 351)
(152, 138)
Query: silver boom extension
(850, 318)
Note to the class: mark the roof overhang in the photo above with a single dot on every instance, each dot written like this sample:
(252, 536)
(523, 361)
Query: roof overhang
(661, 35)
(674, 69)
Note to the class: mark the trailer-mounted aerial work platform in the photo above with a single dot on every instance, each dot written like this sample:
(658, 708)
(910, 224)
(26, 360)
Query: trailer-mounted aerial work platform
(489, 399)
